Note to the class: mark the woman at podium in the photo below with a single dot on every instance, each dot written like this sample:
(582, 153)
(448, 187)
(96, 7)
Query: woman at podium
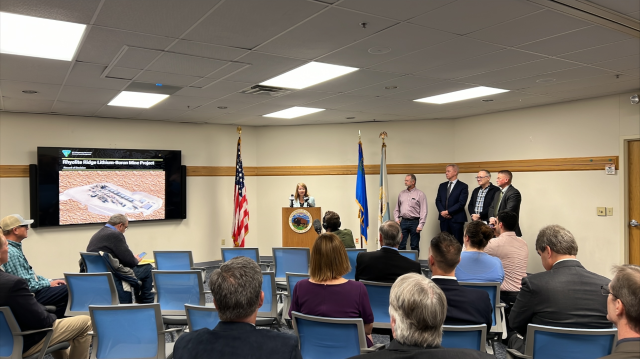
(301, 197)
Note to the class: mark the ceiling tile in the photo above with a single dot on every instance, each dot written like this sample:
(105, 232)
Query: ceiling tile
(455, 50)
(264, 67)
(248, 23)
(635, 15)
(33, 69)
(559, 76)
(623, 7)
(193, 117)
(118, 112)
(329, 31)
(403, 83)
(183, 103)
(122, 73)
(466, 16)
(75, 108)
(87, 94)
(233, 103)
(606, 52)
(401, 39)
(299, 98)
(88, 75)
(164, 78)
(601, 90)
(30, 106)
(217, 90)
(575, 40)
(137, 58)
(13, 89)
(480, 64)
(353, 81)
(78, 11)
(260, 109)
(338, 101)
(186, 65)
(621, 64)
(227, 70)
(570, 86)
(102, 44)
(431, 90)
(529, 28)
(397, 9)
(206, 50)
(519, 71)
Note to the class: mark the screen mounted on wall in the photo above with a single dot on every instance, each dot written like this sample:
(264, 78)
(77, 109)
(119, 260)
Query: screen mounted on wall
(88, 185)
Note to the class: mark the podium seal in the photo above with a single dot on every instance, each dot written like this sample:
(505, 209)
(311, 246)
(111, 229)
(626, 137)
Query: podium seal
(300, 221)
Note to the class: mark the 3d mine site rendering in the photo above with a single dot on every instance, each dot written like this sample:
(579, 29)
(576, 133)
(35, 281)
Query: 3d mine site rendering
(108, 199)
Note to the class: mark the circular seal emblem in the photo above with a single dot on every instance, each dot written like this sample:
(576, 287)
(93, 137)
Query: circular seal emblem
(300, 221)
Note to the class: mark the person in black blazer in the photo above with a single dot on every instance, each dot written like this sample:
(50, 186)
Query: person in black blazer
(418, 308)
(565, 295)
(489, 191)
(451, 199)
(237, 294)
(509, 200)
(386, 264)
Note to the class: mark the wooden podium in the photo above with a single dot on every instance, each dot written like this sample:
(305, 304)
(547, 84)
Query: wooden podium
(291, 238)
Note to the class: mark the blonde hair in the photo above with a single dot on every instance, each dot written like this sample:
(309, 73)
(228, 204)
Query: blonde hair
(329, 258)
(306, 191)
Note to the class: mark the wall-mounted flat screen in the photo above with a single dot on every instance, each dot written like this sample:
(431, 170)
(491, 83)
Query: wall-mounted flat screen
(88, 185)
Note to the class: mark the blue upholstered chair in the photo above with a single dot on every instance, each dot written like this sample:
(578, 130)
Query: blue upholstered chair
(379, 300)
(199, 317)
(292, 280)
(413, 255)
(94, 263)
(465, 337)
(229, 253)
(352, 253)
(11, 338)
(290, 259)
(174, 260)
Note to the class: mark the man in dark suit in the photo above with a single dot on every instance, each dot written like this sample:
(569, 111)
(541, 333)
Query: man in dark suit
(386, 264)
(482, 197)
(623, 310)
(418, 308)
(465, 306)
(508, 199)
(565, 295)
(237, 294)
(451, 200)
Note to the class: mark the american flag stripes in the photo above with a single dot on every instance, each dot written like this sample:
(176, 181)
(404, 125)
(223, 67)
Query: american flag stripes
(240, 204)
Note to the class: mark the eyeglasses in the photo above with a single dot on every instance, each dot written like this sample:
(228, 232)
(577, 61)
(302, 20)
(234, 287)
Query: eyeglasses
(605, 291)
(481, 177)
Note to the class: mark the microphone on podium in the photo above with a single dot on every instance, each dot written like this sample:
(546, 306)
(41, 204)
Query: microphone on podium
(306, 201)
(317, 226)
(291, 200)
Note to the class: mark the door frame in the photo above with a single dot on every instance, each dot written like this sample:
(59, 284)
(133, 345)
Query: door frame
(624, 195)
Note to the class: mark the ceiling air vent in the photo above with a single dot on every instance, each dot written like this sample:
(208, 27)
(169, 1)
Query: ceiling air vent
(265, 91)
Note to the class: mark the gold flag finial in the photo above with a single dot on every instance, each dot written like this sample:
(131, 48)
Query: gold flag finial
(383, 135)
(239, 129)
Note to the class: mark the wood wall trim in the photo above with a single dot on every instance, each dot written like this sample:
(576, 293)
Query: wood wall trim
(536, 165)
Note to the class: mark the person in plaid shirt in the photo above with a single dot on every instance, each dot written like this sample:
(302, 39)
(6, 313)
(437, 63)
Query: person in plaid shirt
(46, 291)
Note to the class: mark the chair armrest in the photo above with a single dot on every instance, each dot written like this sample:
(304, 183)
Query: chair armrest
(199, 268)
(34, 331)
(501, 305)
(516, 354)
(374, 348)
(171, 330)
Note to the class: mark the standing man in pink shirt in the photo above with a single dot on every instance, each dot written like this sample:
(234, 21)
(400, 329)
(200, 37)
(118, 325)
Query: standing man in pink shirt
(411, 213)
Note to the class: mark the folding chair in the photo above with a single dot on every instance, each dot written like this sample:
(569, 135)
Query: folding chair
(410, 254)
(87, 289)
(11, 338)
(352, 253)
(465, 337)
(199, 317)
(379, 300)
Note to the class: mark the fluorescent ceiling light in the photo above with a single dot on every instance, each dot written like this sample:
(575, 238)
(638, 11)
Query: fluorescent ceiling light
(294, 112)
(308, 75)
(36, 37)
(137, 99)
(462, 95)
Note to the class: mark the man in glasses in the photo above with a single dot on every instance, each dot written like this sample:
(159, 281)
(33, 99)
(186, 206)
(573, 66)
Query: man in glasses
(482, 197)
(623, 310)
(565, 295)
(51, 292)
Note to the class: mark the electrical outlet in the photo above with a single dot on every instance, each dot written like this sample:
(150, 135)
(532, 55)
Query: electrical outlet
(223, 241)
(601, 211)
(609, 211)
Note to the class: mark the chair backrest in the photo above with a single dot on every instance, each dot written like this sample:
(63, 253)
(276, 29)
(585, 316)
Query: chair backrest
(293, 279)
(270, 305)
(290, 259)
(173, 260)
(352, 253)
(566, 343)
(229, 253)
(199, 317)
(328, 337)
(94, 263)
(87, 289)
(127, 331)
(10, 345)
(379, 300)
(464, 337)
(177, 288)
(493, 289)
(410, 254)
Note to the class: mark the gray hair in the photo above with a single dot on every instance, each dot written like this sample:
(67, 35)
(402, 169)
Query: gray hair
(118, 219)
(454, 166)
(558, 238)
(419, 308)
(487, 172)
(413, 177)
(236, 288)
(391, 234)
(7, 232)
(626, 287)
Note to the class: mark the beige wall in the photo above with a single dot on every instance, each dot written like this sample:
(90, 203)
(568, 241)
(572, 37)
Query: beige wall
(582, 128)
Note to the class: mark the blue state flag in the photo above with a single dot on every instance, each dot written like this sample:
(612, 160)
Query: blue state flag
(361, 197)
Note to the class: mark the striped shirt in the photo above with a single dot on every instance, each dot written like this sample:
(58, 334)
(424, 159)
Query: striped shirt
(514, 253)
(480, 200)
(19, 266)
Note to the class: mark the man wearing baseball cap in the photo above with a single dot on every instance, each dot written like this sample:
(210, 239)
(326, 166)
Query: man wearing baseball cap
(46, 291)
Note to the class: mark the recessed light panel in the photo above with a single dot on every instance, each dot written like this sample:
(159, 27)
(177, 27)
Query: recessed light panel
(137, 99)
(462, 95)
(294, 112)
(36, 37)
(308, 75)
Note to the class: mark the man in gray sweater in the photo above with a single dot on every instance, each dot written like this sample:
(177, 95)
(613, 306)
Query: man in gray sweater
(110, 239)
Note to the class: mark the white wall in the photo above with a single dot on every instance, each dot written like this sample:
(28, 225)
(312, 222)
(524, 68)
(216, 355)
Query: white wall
(575, 129)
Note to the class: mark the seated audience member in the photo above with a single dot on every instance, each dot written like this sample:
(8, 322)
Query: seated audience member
(46, 291)
(465, 306)
(326, 293)
(418, 308)
(31, 315)
(565, 295)
(513, 253)
(110, 239)
(475, 265)
(623, 310)
(386, 264)
(331, 223)
(237, 294)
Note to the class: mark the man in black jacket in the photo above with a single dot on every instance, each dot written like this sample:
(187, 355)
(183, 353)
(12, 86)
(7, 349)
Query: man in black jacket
(31, 315)
(386, 264)
(110, 239)
(507, 199)
(482, 197)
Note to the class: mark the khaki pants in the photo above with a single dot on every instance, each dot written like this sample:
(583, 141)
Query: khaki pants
(73, 330)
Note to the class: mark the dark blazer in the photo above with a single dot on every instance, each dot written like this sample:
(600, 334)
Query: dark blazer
(113, 242)
(384, 265)
(510, 202)
(628, 349)
(488, 201)
(401, 351)
(566, 296)
(236, 340)
(30, 315)
(457, 200)
(465, 306)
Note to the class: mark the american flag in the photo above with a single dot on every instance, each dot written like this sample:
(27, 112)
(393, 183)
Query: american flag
(240, 205)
